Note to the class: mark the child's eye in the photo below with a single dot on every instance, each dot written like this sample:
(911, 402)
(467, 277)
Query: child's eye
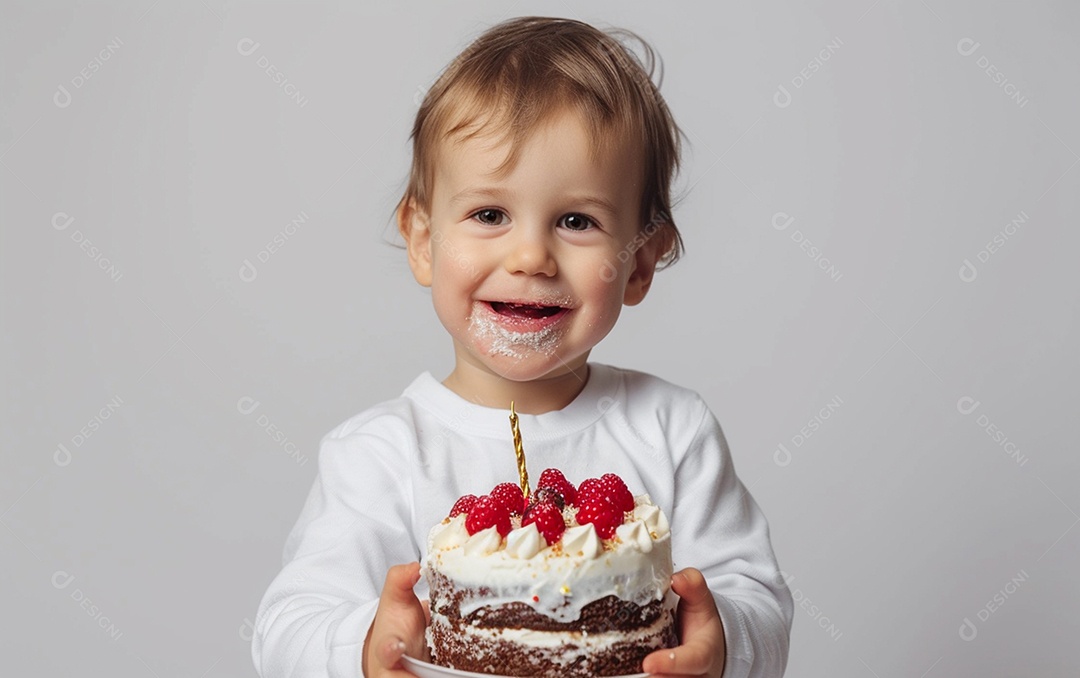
(490, 217)
(577, 222)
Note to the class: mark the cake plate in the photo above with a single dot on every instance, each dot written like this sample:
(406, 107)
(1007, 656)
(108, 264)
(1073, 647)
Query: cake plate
(422, 669)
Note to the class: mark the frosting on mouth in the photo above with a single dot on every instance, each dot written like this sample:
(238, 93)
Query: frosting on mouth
(516, 333)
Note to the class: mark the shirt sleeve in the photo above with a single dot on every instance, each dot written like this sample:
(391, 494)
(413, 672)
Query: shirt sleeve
(355, 524)
(728, 539)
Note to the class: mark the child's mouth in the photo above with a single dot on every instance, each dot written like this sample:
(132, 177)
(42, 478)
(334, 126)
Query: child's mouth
(524, 310)
(525, 317)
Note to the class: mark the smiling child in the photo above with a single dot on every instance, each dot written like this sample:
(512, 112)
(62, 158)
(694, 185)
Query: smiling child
(538, 206)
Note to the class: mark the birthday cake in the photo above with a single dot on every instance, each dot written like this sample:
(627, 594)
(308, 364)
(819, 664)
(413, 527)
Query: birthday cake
(568, 582)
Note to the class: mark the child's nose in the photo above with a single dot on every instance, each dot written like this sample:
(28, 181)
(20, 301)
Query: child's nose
(531, 253)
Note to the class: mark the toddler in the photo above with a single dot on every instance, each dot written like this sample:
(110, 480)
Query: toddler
(538, 205)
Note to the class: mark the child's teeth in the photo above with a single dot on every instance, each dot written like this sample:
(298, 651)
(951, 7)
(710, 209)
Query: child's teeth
(528, 310)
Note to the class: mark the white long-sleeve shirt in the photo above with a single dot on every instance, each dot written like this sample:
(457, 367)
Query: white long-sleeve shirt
(388, 474)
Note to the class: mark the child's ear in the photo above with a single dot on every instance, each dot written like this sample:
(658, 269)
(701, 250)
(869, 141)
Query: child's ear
(415, 228)
(657, 241)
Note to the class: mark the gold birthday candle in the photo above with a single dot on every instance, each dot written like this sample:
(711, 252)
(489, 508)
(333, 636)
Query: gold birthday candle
(519, 452)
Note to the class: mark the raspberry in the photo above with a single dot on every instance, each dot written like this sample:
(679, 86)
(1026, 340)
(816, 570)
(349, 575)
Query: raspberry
(617, 492)
(554, 479)
(486, 512)
(510, 496)
(589, 488)
(608, 487)
(602, 514)
(548, 519)
(463, 504)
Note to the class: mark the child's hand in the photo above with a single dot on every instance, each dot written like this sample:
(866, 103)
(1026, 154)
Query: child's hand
(398, 627)
(702, 652)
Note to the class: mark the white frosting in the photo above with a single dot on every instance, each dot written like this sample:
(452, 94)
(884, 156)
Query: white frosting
(483, 542)
(582, 541)
(653, 517)
(635, 534)
(560, 579)
(524, 543)
(449, 535)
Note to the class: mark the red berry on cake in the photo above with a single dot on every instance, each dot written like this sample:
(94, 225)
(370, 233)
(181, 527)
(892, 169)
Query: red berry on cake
(616, 492)
(590, 488)
(488, 512)
(510, 496)
(548, 519)
(604, 516)
(553, 478)
(463, 504)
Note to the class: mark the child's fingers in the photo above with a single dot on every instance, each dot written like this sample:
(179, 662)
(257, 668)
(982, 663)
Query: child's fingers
(400, 580)
(685, 660)
(694, 591)
(390, 657)
(390, 652)
(399, 616)
(697, 607)
(387, 660)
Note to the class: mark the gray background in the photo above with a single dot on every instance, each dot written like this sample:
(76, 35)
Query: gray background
(898, 518)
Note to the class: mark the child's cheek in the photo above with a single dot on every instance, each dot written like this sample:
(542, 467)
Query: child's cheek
(451, 305)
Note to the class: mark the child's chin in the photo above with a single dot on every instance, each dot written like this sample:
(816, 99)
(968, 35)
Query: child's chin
(526, 366)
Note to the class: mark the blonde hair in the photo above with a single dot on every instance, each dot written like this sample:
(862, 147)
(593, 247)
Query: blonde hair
(519, 72)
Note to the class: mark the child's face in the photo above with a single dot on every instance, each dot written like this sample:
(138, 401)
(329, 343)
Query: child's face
(557, 231)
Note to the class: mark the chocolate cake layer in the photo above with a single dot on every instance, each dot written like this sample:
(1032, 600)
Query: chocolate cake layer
(495, 651)
(607, 614)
